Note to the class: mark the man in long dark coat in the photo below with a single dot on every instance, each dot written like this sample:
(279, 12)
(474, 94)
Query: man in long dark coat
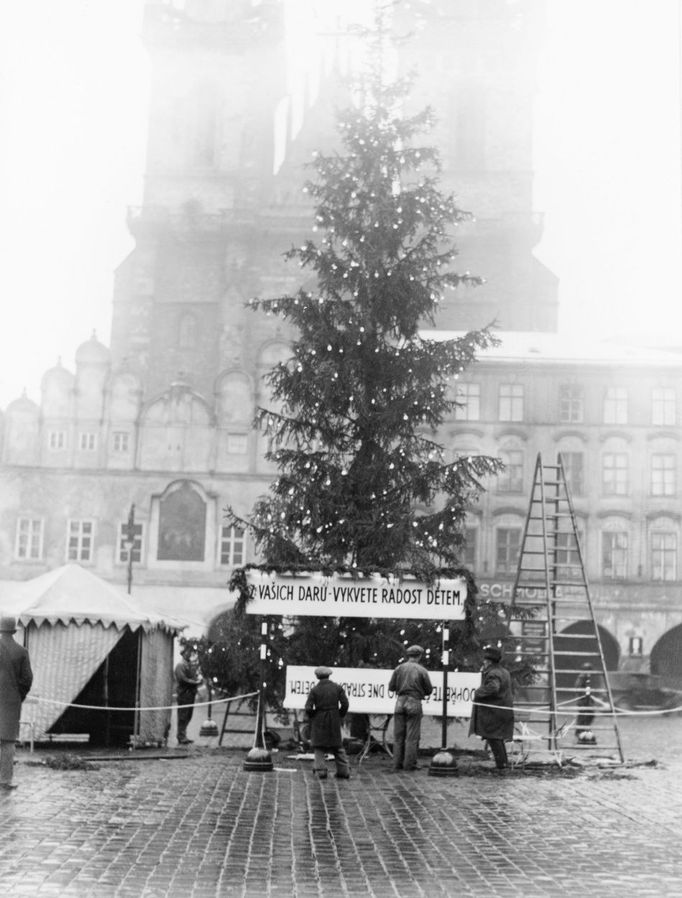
(492, 715)
(16, 677)
(326, 706)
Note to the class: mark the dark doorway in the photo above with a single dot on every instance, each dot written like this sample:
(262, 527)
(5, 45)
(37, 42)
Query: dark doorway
(113, 685)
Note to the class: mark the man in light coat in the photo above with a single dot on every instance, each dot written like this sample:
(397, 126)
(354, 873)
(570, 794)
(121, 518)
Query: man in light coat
(492, 715)
(16, 677)
(411, 684)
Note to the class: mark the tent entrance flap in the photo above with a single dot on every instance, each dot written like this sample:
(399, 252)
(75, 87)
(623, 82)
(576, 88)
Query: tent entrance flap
(64, 659)
(113, 685)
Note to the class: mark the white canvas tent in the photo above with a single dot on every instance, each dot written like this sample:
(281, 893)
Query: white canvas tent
(91, 645)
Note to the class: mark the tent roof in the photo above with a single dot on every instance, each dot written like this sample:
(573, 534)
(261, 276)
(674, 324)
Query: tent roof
(73, 593)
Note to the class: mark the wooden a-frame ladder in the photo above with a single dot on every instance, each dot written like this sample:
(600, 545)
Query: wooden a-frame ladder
(552, 624)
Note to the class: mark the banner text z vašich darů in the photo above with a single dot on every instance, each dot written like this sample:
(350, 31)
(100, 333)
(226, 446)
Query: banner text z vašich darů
(374, 596)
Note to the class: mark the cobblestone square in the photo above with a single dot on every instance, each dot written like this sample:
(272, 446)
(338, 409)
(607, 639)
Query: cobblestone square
(194, 823)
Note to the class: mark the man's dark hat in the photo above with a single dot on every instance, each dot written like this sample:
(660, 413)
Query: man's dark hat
(323, 672)
(8, 625)
(492, 653)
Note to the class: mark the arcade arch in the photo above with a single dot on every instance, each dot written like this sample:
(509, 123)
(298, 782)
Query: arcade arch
(666, 657)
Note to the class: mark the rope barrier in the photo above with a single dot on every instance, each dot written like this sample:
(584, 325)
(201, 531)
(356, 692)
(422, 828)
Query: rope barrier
(566, 707)
(619, 712)
(217, 701)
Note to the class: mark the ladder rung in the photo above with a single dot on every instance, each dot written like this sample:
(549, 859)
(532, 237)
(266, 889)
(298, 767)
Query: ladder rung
(591, 637)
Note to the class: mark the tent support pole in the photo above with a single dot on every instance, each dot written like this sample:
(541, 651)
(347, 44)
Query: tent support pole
(138, 685)
(107, 718)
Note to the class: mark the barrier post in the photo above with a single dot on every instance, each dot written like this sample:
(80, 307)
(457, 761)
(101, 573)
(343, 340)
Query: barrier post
(443, 763)
(209, 727)
(259, 757)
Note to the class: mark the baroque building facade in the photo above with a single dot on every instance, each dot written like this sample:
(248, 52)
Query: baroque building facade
(162, 418)
(242, 93)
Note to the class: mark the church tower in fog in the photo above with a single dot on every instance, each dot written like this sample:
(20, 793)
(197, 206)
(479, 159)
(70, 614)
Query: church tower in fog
(230, 129)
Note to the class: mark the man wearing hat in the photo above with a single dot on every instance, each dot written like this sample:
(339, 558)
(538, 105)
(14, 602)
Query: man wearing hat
(586, 702)
(15, 681)
(188, 681)
(326, 706)
(492, 714)
(411, 684)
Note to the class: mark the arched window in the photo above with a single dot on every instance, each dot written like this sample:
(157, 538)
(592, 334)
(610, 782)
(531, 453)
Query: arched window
(182, 524)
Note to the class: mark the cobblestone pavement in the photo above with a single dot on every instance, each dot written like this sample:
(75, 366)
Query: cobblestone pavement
(197, 824)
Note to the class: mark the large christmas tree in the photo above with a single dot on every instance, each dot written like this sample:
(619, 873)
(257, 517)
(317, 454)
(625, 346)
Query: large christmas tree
(363, 483)
(362, 480)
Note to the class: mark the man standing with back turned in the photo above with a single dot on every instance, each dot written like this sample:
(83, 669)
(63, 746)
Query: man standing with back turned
(411, 684)
(15, 681)
(492, 714)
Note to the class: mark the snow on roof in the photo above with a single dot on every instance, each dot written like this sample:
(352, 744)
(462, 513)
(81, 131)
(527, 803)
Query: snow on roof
(554, 348)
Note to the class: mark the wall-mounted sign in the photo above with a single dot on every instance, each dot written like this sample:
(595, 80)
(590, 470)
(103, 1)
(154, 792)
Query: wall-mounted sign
(367, 690)
(344, 596)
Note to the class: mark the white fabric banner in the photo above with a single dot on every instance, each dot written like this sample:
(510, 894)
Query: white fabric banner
(367, 690)
(344, 596)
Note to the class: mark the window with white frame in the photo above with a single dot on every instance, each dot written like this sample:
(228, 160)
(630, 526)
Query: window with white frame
(120, 441)
(138, 534)
(507, 545)
(79, 540)
(616, 406)
(571, 403)
(510, 479)
(28, 544)
(511, 402)
(468, 397)
(614, 554)
(663, 406)
(87, 442)
(232, 546)
(56, 439)
(663, 555)
(574, 470)
(663, 474)
(615, 473)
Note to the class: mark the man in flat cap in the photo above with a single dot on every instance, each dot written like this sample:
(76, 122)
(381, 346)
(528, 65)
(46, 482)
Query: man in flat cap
(326, 706)
(15, 681)
(411, 684)
(492, 714)
(188, 680)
